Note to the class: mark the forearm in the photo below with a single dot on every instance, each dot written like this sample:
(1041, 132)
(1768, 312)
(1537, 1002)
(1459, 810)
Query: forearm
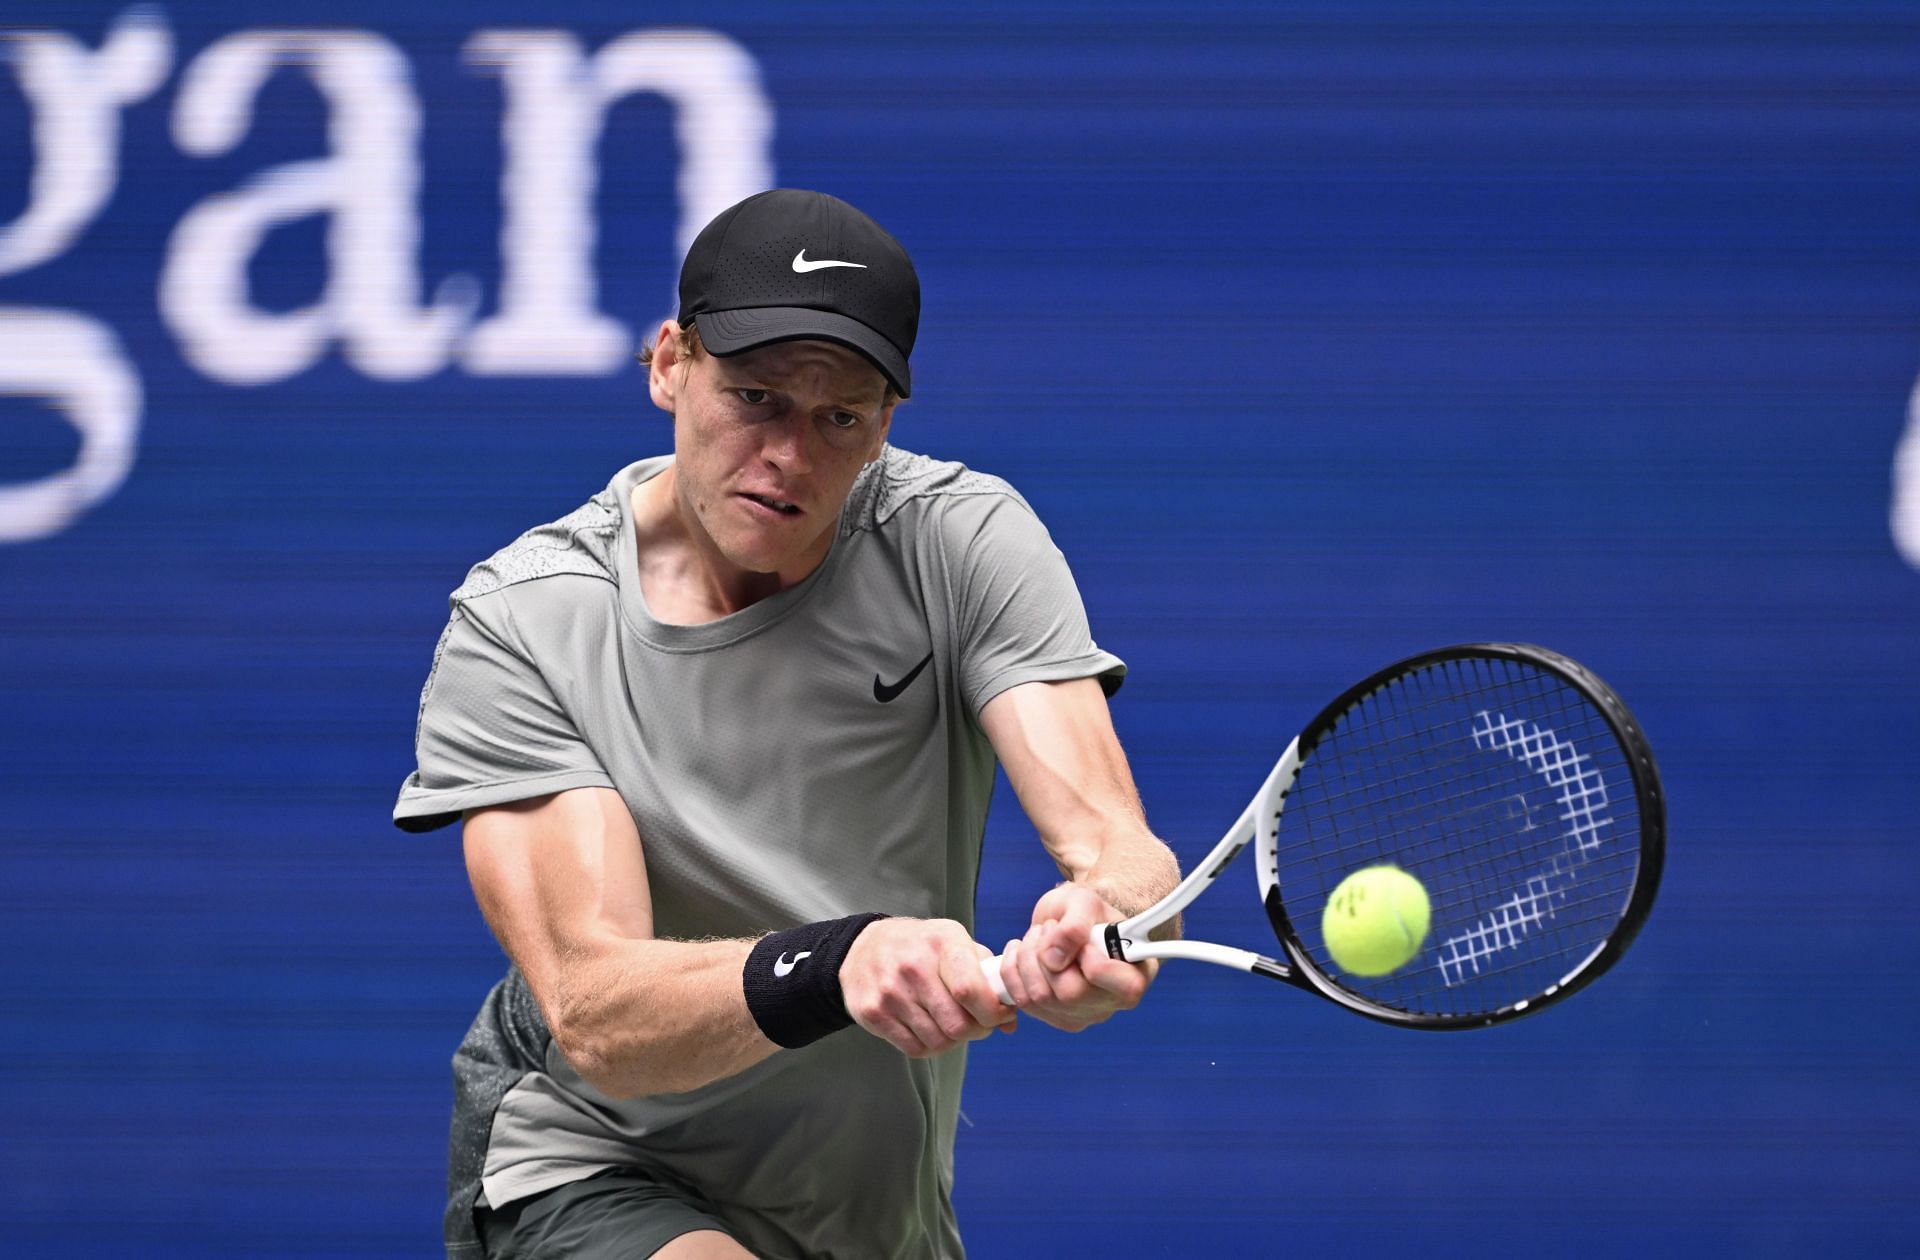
(640, 1017)
(669, 1016)
(1130, 870)
(1058, 745)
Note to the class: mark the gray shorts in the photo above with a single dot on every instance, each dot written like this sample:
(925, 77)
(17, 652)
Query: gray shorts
(621, 1214)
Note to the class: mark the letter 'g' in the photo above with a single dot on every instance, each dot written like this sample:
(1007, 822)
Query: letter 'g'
(368, 184)
(68, 359)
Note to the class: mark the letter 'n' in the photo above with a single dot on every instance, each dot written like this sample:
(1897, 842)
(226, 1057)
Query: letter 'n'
(556, 105)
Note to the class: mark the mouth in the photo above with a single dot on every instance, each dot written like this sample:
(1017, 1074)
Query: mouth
(778, 506)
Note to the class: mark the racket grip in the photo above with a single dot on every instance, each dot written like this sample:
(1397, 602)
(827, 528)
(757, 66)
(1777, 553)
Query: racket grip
(991, 968)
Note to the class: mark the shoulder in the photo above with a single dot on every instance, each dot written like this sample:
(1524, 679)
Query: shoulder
(583, 543)
(901, 484)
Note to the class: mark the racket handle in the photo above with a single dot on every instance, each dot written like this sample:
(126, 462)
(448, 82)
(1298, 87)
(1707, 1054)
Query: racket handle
(991, 968)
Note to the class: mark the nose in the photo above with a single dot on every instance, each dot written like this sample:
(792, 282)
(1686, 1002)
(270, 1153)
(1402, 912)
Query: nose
(784, 441)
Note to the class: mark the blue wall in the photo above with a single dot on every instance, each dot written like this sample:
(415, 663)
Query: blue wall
(1317, 335)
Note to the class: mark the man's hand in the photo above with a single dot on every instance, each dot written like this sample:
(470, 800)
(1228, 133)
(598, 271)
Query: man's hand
(1061, 973)
(917, 984)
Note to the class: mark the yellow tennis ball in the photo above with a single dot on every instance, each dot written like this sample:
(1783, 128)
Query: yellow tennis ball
(1375, 921)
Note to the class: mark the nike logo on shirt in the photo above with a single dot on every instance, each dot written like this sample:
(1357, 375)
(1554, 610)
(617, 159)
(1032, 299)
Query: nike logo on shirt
(886, 693)
(803, 265)
(783, 968)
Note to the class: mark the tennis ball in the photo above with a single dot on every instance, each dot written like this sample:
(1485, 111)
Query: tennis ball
(1375, 921)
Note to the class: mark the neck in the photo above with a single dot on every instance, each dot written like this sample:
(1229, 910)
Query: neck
(684, 577)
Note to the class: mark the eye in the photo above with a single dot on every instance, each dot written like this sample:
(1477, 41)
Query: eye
(845, 420)
(752, 397)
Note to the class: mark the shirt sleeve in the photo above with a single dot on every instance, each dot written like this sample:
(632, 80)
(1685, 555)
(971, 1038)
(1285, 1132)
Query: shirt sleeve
(1019, 616)
(490, 730)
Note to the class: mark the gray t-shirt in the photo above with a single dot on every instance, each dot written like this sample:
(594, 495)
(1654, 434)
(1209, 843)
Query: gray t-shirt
(784, 764)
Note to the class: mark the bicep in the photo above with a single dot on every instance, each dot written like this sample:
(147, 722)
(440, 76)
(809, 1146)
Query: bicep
(1064, 760)
(555, 876)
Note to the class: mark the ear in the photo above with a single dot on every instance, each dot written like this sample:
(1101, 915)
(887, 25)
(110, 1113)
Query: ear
(663, 374)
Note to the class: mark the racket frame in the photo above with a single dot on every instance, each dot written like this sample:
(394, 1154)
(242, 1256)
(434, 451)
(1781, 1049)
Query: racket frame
(1259, 825)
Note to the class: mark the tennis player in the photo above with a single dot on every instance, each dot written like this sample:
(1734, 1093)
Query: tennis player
(723, 741)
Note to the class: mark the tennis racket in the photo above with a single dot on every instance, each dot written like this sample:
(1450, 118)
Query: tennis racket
(1509, 780)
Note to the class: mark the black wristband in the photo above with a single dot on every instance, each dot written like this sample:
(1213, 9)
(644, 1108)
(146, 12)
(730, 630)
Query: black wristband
(792, 979)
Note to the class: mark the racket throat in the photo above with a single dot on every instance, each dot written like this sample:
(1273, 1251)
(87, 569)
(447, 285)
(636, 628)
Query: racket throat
(1272, 970)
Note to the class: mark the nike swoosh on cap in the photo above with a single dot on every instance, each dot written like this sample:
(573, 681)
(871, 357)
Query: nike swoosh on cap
(803, 265)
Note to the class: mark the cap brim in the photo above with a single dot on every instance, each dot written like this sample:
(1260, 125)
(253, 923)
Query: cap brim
(730, 332)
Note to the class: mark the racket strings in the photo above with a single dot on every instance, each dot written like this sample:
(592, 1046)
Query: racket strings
(1504, 790)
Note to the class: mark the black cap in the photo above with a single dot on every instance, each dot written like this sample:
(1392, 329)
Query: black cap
(788, 264)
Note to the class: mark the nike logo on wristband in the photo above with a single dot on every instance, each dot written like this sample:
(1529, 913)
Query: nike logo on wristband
(783, 968)
(886, 693)
(803, 264)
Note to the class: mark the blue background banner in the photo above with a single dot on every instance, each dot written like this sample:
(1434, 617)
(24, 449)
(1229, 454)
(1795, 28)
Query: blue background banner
(1317, 335)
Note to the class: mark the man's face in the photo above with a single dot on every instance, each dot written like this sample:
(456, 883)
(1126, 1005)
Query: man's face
(767, 444)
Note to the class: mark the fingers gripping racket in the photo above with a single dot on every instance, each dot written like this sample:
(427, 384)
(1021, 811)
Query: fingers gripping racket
(1508, 780)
